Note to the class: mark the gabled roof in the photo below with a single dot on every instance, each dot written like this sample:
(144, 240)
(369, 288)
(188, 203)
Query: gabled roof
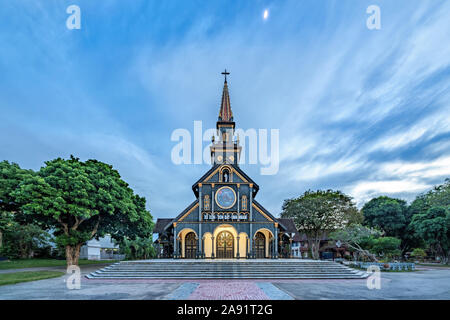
(265, 210)
(215, 167)
(192, 205)
(289, 224)
(161, 224)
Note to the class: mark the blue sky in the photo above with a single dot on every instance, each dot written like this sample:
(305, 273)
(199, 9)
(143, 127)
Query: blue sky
(363, 111)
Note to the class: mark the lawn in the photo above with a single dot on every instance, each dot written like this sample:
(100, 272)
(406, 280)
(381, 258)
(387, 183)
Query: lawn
(33, 263)
(16, 277)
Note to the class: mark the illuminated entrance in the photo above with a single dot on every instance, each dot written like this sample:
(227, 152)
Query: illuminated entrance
(260, 246)
(225, 245)
(190, 246)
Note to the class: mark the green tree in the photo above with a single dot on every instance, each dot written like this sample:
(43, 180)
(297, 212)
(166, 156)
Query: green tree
(11, 175)
(434, 228)
(387, 247)
(418, 253)
(386, 213)
(316, 212)
(82, 200)
(393, 217)
(357, 238)
(438, 197)
(22, 241)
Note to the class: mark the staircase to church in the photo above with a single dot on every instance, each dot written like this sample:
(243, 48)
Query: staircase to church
(227, 269)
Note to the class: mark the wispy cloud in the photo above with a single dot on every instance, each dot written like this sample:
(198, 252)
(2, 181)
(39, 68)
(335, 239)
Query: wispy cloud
(358, 110)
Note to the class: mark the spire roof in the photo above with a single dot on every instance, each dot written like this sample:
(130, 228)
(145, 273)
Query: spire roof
(225, 113)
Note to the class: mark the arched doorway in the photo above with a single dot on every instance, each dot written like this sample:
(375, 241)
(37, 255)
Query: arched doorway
(225, 245)
(190, 246)
(260, 245)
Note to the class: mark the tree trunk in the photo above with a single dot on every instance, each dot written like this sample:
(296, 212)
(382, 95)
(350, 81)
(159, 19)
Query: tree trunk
(73, 254)
(1, 239)
(69, 257)
(314, 248)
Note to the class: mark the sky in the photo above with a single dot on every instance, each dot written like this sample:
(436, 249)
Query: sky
(363, 111)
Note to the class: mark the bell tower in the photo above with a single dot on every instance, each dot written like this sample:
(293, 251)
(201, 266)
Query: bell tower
(226, 149)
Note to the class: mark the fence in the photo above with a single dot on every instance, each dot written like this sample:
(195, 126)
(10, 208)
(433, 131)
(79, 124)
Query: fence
(391, 266)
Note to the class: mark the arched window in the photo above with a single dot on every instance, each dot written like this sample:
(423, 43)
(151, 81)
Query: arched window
(206, 202)
(244, 203)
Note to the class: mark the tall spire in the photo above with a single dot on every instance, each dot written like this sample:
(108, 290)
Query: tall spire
(225, 114)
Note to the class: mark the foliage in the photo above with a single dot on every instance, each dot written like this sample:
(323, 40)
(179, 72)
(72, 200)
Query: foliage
(82, 200)
(139, 248)
(388, 247)
(434, 228)
(11, 175)
(317, 211)
(22, 241)
(418, 253)
(386, 213)
(357, 238)
(393, 216)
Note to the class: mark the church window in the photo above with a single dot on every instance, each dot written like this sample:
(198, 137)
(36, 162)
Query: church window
(226, 176)
(206, 202)
(244, 202)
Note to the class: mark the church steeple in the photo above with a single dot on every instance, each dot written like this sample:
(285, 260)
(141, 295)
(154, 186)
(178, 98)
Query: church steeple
(226, 149)
(225, 114)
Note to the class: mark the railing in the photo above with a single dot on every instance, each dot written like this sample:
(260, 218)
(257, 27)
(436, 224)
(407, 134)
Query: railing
(112, 256)
(391, 266)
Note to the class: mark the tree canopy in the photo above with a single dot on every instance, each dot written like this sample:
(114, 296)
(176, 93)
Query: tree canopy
(386, 213)
(82, 200)
(316, 212)
(434, 228)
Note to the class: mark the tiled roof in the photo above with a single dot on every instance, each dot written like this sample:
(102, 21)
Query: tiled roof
(161, 224)
(288, 223)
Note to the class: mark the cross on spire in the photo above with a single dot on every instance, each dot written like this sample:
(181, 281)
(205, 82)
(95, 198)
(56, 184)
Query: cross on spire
(225, 113)
(225, 73)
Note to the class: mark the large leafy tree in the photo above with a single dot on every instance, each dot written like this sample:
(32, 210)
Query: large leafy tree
(11, 175)
(316, 212)
(426, 224)
(386, 213)
(439, 196)
(434, 228)
(82, 200)
(393, 217)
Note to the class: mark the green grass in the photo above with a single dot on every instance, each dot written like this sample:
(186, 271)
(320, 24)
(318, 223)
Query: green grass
(36, 263)
(16, 277)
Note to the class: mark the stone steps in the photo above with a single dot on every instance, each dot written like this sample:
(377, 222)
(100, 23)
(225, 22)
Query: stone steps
(231, 269)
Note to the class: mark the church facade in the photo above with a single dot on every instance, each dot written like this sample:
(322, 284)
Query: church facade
(224, 221)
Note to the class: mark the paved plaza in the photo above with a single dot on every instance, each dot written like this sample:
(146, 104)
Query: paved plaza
(427, 283)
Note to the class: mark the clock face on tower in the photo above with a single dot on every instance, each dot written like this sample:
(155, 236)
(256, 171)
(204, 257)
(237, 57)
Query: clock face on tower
(225, 197)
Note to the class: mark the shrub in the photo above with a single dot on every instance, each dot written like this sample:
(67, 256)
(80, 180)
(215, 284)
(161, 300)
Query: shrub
(418, 253)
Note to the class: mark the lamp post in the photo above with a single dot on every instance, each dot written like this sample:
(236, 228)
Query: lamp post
(291, 237)
(338, 245)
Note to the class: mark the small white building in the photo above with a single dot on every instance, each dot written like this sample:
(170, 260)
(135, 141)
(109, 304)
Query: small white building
(102, 249)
